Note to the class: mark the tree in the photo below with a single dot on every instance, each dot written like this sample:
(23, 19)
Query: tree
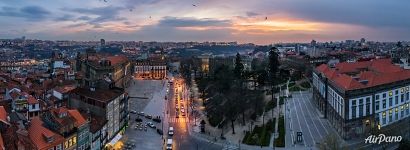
(238, 70)
(273, 64)
(330, 142)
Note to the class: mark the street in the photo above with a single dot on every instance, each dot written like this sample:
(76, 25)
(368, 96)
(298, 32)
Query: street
(148, 96)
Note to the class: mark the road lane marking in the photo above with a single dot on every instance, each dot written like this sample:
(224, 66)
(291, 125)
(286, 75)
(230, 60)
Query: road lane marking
(310, 117)
(304, 118)
(297, 117)
(316, 112)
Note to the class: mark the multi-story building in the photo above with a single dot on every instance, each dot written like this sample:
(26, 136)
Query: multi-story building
(83, 130)
(110, 103)
(362, 96)
(44, 138)
(151, 69)
(115, 69)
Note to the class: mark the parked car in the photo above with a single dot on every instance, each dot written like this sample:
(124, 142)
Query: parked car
(138, 120)
(150, 124)
(148, 116)
(160, 132)
(157, 119)
(141, 113)
(133, 112)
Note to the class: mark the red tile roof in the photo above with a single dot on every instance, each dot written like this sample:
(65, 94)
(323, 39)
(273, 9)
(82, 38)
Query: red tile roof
(117, 59)
(38, 133)
(1, 143)
(376, 72)
(31, 100)
(3, 114)
(80, 120)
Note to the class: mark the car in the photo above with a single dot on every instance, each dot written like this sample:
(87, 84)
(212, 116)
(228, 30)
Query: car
(141, 128)
(171, 131)
(182, 110)
(176, 107)
(160, 132)
(136, 127)
(133, 112)
(141, 113)
(150, 124)
(182, 107)
(138, 120)
(169, 144)
(148, 116)
(157, 119)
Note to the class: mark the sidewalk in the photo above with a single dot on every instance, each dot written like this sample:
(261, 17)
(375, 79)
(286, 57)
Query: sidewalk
(232, 141)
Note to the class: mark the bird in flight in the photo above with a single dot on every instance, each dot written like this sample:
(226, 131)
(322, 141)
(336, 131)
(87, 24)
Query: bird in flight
(149, 17)
(194, 5)
(266, 18)
(105, 0)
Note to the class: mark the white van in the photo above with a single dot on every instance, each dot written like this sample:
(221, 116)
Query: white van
(171, 131)
(169, 144)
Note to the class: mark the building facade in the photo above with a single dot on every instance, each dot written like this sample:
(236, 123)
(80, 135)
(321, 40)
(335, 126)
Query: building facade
(148, 69)
(361, 97)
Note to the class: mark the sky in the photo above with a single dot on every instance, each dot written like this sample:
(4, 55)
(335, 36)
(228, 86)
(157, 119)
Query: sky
(245, 21)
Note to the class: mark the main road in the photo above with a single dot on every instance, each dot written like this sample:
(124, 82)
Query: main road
(178, 113)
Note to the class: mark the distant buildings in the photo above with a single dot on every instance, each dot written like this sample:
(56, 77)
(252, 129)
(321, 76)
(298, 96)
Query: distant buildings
(102, 42)
(362, 96)
(151, 69)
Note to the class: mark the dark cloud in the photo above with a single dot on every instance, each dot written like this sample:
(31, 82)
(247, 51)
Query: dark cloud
(251, 14)
(192, 22)
(85, 18)
(105, 14)
(65, 17)
(31, 13)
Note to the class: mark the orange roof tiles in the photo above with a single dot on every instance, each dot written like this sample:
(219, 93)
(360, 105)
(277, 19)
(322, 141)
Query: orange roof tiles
(37, 133)
(80, 120)
(3, 114)
(117, 59)
(1, 143)
(31, 100)
(375, 72)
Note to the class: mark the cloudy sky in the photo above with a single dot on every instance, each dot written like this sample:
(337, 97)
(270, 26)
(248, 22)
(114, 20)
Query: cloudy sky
(211, 20)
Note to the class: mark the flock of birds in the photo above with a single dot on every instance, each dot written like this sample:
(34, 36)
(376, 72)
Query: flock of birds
(194, 5)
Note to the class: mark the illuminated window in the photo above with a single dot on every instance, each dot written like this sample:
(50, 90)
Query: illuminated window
(70, 142)
(74, 140)
(390, 93)
(397, 110)
(384, 114)
(402, 107)
(402, 90)
(407, 88)
(390, 112)
(66, 144)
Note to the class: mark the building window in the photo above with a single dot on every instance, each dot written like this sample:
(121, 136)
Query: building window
(397, 92)
(390, 102)
(402, 98)
(384, 95)
(360, 101)
(396, 114)
(377, 97)
(384, 103)
(396, 101)
(391, 115)
(384, 117)
(402, 111)
(353, 111)
(368, 109)
(390, 93)
(377, 106)
(402, 89)
(59, 147)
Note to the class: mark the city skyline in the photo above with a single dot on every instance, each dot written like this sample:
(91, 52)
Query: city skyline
(261, 22)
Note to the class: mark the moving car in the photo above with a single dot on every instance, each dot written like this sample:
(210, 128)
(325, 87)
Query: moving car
(169, 144)
(171, 131)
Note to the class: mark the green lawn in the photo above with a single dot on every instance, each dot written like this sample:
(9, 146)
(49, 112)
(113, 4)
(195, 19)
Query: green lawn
(280, 141)
(260, 134)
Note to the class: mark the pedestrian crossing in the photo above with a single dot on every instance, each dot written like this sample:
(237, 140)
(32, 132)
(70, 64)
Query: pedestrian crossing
(173, 119)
